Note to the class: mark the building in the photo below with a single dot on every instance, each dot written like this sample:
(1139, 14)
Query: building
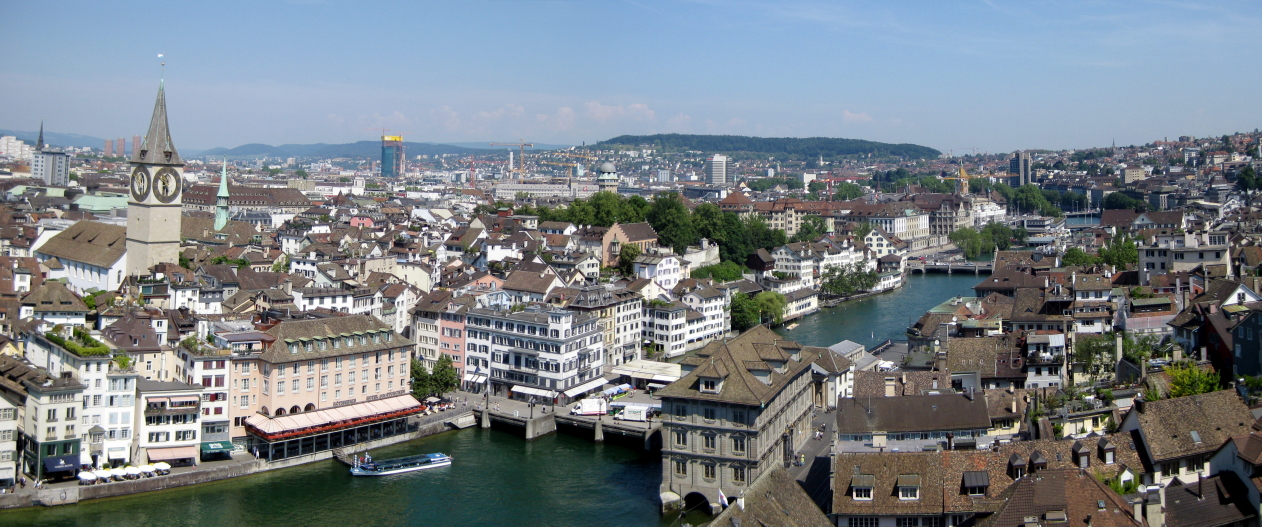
(157, 182)
(9, 435)
(392, 156)
(1020, 168)
(620, 316)
(53, 168)
(169, 431)
(738, 411)
(912, 422)
(1179, 435)
(539, 352)
(91, 255)
(608, 178)
(718, 170)
(50, 428)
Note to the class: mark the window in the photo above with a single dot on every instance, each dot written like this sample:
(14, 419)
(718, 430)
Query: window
(708, 471)
(708, 442)
(681, 438)
(681, 411)
(909, 493)
(1170, 468)
(907, 522)
(738, 444)
(931, 522)
(709, 385)
(681, 469)
(861, 493)
(864, 521)
(738, 474)
(1196, 464)
(709, 413)
(738, 416)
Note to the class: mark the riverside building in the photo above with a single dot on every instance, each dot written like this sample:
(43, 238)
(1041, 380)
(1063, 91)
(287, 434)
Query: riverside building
(535, 353)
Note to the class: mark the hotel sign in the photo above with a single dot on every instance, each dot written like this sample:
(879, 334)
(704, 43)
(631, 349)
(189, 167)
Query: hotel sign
(386, 395)
(343, 403)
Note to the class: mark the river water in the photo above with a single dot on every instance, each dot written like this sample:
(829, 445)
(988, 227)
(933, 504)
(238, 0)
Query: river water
(496, 478)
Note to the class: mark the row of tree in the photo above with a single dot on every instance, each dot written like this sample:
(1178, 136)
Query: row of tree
(442, 380)
(993, 236)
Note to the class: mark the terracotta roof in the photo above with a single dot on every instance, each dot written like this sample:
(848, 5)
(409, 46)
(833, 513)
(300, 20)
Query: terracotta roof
(726, 360)
(1061, 496)
(1210, 502)
(912, 413)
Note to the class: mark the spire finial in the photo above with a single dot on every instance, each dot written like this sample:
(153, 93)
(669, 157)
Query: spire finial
(162, 76)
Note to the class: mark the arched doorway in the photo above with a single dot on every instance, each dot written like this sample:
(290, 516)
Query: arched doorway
(696, 501)
(310, 407)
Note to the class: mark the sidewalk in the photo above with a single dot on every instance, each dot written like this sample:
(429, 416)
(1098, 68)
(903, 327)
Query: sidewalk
(237, 458)
(813, 476)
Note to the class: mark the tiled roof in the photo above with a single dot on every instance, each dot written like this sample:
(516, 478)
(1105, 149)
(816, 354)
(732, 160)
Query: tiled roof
(912, 413)
(1061, 492)
(727, 359)
(1168, 424)
(774, 499)
(53, 296)
(93, 243)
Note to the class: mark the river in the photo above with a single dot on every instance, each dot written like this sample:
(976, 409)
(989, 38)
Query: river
(497, 478)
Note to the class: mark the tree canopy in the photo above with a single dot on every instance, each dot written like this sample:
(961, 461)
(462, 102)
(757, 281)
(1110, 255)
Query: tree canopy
(809, 147)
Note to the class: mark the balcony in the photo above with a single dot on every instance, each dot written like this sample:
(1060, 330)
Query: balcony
(523, 369)
(171, 410)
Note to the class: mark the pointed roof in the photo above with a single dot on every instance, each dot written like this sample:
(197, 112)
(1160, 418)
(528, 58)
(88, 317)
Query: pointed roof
(223, 180)
(157, 148)
(39, 143)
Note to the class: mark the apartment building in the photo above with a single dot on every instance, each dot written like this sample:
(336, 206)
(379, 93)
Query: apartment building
(169, 430)
(538, 352)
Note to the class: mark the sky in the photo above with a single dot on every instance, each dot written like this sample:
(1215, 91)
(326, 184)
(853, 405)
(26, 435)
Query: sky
(993, 75)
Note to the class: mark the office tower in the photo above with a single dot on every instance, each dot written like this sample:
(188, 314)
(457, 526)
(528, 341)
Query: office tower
(135, 144)
(53, 168)
(109, 148)
(1019, 168)
(391, 156)
(717, 170)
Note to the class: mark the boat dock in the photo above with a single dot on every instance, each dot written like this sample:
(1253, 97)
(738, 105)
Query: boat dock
(547, 419)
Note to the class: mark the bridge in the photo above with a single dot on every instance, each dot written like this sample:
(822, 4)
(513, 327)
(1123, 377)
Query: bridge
(976, 268)
(545, 421)
(1084, 213)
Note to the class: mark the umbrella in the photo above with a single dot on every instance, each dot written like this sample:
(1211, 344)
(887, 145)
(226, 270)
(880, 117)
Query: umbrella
(162, 465)
(432, 400)
(133, 471)
(118, 472)
(87, 476)
(102, 474)
(146, 468)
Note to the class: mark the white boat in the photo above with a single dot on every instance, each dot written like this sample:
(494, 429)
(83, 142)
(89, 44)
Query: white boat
(399, 465)
(791, 326)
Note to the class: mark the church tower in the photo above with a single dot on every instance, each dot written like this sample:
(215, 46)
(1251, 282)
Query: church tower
(153, 212)
(221, 199)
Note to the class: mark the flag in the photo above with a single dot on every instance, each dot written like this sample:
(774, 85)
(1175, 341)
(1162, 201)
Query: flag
(722, 498)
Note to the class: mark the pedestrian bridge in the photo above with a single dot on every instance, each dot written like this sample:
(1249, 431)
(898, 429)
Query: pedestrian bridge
(949, 267)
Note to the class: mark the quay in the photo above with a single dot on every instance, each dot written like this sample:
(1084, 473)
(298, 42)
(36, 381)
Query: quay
(243, 464)
(976, 268)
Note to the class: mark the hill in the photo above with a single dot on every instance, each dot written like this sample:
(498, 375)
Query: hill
(806, 147)
(58, 139)
(370, 149)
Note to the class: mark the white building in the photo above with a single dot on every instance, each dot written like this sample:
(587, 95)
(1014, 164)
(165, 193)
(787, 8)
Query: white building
(664, 270)
(8, 441)
(168, 426)
(53, 168)
(534, 353)
(90, 256)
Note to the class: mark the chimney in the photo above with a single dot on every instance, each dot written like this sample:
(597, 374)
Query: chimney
(1117, 354)
(1137, 506)
(890, 390)
(1014, 404)
(1154, 509)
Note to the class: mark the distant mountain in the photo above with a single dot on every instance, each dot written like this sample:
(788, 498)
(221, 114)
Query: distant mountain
(791, 146)
(361, 149)
(58, 139)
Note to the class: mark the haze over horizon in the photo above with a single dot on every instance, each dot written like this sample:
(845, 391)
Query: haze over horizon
(995, 75)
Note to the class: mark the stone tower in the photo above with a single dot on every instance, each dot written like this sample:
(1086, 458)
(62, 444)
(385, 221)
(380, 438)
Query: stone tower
(221, 199)
(153, 212)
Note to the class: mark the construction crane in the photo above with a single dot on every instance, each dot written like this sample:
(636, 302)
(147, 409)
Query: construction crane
(521, 162)
(963, 178)
(473, 170)
(576, 171)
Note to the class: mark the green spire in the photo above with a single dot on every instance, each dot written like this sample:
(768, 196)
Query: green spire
(223, 180)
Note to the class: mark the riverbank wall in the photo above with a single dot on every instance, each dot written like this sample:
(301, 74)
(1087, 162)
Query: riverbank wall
(71, 494)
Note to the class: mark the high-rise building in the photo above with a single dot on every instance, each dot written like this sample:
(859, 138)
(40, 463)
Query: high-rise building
(135, 144)
(718, 170)
(120, 145)
(1019, 168)
(53, 168)
(391, 156)
(109, 148)
(153, 213)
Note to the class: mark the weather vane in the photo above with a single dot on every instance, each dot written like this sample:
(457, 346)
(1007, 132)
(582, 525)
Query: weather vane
(164, 66)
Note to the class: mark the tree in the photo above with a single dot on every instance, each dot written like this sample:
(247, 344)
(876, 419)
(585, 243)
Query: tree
(281, 265)
(726, 271)
(301, 173)
(670, 218)
(848, 191)
(1120, 251)
(770, 306)
(1189, 379)
(745, 312)
(811, 229)
(1095, 352)
(422, 383)
(1118, 200)
(444, 378)
(863, 230)
(1078, 257)
(848, 279)
(626, 258)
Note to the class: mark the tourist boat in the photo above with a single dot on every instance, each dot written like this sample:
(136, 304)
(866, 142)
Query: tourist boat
(368, 467)
(793, 325)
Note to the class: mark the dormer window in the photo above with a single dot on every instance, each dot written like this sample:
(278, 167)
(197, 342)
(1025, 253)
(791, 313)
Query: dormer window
(710, 385)
(1107, 451)
(1016, 466)
(1082, 455)
(909, 487)
(976, 482)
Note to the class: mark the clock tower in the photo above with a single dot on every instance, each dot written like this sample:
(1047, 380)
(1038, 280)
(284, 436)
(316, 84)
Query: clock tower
(153, 212)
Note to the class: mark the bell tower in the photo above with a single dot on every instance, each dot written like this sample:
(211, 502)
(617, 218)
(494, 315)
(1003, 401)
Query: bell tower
(153, 212)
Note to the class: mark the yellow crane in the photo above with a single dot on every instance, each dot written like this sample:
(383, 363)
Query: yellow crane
(963, 179)
(576, 171)
(521, 163)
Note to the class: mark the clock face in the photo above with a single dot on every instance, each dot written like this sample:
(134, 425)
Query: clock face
(140, 184)
(166, 185)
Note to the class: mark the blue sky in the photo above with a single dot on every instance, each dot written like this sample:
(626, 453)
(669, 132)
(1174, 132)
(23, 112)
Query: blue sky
(990, 74)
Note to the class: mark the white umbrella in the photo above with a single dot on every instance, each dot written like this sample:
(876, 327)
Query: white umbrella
(162, 465)
(118, 472)
(133, 471)
(432, 400)
(87, 476)
(146, 468)
(102, 474)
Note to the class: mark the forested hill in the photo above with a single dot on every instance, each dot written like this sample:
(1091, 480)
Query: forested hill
(788, 146)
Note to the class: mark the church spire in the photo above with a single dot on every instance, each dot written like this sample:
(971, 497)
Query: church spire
(39, 143)
(221, 199)
(157, 148)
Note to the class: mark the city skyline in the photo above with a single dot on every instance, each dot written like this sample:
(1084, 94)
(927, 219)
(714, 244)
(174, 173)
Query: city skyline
(968, 74)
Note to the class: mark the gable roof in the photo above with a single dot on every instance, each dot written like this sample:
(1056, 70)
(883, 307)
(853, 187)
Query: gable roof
(1167, 424)
(732, 359)
(912, 413)
(97, 244)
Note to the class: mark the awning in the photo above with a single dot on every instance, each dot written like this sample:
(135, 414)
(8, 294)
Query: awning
(534, 391)
(475, 378)
(216, 447)
(155, 400)
(172, 454)
(186, 399)
(61, 463)
(648, 369)
(585, 387)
